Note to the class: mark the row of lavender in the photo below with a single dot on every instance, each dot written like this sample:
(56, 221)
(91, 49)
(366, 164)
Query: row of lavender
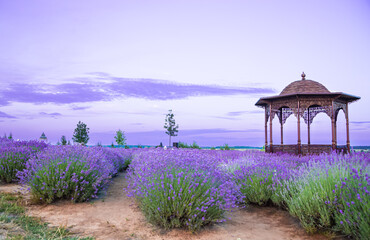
(60, 172)
(192, 188)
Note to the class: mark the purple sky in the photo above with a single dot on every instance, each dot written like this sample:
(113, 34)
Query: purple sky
(120, 64)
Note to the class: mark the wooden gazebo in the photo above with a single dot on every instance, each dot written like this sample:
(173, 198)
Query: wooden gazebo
(306, 99)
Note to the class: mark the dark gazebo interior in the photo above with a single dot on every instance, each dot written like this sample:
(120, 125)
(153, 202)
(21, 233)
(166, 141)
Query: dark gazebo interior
(306, 99)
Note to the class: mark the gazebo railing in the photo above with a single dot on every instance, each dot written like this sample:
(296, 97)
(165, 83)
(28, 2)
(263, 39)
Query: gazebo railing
(305, 148)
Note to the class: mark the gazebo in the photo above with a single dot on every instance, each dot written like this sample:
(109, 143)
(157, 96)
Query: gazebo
(305, 98)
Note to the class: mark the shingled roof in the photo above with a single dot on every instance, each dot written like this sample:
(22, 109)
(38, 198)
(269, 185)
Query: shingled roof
(303, 87)
(306, 88)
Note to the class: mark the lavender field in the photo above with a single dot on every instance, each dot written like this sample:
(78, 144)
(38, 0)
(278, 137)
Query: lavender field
(187, 188)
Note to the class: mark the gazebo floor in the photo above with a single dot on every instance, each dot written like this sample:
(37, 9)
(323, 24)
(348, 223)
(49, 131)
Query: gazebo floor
(305, 149)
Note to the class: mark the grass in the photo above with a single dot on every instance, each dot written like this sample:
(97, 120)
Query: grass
(20, 226)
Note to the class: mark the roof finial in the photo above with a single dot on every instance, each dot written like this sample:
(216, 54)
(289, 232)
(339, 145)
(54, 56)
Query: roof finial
(303, 76)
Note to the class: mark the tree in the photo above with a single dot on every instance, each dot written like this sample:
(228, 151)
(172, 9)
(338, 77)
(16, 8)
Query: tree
(63, 140)
(120, 137)
(170, 126)
(10, 136)
(69, 143)
(81, 133)
(112, 146)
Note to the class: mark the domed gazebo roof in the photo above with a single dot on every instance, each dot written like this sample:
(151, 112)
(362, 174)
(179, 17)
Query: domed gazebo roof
(304, 87)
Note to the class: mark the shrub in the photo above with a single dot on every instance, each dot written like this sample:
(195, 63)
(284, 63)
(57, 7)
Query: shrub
(14, 155)
(181, 188)
(325, 192)
(352, 206)
(259, 175)
(12, 160)
(67, 172)
(313, 195)
(185, 145)
(225, 147)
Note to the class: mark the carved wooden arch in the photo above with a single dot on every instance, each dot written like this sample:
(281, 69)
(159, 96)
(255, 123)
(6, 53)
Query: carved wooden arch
(284, 113)
(336, 113)
(288, 107)
(309, 108)
(312, 111)
(337, 107)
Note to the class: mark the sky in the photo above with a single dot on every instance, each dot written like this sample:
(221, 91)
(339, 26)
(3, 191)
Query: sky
(122, 64)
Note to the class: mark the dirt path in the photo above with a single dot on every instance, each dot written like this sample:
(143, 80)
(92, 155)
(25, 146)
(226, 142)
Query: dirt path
(116, 216)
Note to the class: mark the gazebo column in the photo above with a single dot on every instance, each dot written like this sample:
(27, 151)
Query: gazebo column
(271, 149)
(299, 129)
(347, 128)
(333, 127)
(308, 130)
(281, 127)
(335, 133)
(266, 119)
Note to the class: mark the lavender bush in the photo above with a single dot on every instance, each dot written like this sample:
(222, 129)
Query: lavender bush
(327, 191)
(313, 196)
(14, 155)
(182, 188)
(69, 172)
(352, 204)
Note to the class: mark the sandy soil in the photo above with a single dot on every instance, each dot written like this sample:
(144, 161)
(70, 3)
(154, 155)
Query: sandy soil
(116, 216)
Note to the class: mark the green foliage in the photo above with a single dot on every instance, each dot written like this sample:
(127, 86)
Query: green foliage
(63, 140)
(307, 198)
(12, 211)
(112, 145)
(257, 189)
(160, 145)
(81, 133)
(126, 164)
(352, 215)
(185, 145)
(181, 206)
(225, 147)
(10, 163)
(170, 126)
(99, 144)
(10, 136)
(75, 176)
(120, 137)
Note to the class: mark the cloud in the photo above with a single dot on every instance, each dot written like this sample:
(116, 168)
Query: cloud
(75, 108)
(243, 112)
(61, 94)
(361, 122)
(4, 115)
(166, 90)
(90, 90)
(53, 115)
(361, 125)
